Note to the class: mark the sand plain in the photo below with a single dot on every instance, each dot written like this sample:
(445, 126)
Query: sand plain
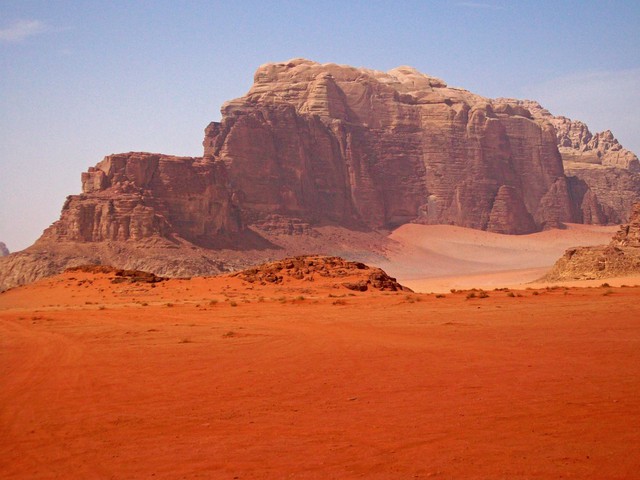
(217, 378)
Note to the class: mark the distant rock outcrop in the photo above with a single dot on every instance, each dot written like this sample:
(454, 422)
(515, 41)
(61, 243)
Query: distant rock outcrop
(315, 145)
(4, 251)
(620, 258)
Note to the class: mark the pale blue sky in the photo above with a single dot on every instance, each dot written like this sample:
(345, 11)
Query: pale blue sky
(80, 80)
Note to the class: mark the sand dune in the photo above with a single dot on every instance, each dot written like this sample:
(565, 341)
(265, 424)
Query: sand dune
(439, 257)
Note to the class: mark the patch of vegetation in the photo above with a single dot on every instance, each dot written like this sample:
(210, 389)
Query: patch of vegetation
(339, 302)
(411, 299)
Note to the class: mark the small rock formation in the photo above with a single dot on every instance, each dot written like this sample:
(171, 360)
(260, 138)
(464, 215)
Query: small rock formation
(620, 258)
(306, 267)
(118, 275)
(4, 251)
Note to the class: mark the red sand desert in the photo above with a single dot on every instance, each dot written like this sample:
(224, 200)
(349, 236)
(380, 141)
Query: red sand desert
(218, 378)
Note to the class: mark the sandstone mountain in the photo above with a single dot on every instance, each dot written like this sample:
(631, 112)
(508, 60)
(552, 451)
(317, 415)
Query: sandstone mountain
(325, 158)
(620, 258)
(4, 251)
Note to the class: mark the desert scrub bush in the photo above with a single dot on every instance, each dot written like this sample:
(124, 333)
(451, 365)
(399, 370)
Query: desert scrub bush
(440, 295)
(483, 294)
(605, 285)
(471, 295)
(233, 303)
(607, 292)
(168, 304)
(511, 294)
(213, 301)
(300, 297)
(339, 302)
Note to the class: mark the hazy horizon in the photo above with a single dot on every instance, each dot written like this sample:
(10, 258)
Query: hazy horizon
(83, 81)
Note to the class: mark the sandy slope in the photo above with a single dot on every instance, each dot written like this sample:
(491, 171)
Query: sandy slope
(306, 380)
(435, 258)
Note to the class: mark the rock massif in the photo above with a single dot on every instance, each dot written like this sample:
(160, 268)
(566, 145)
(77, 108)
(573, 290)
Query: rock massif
(620, 258)
(313, 146)
(330, 143)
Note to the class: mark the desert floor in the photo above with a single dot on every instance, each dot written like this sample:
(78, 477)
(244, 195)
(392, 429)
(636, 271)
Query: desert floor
(213, 378)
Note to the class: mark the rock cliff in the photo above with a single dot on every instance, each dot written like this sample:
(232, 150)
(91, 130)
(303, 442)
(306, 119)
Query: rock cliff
(315, 146)
(138, 196)
(337, 144)
(604, 177)
(620, 258)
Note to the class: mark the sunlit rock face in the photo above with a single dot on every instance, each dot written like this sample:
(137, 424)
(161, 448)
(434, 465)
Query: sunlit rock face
(604, 176)
(332, 143)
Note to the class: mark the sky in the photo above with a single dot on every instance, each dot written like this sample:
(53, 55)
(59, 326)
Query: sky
(83, 79)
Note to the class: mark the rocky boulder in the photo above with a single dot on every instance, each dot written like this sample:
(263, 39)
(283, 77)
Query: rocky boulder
(620, 258)
(350, 275)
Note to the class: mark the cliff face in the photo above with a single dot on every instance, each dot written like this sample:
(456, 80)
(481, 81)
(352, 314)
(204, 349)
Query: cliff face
(330, 143)
(313, 146)
(604, 177)
(137, 196)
